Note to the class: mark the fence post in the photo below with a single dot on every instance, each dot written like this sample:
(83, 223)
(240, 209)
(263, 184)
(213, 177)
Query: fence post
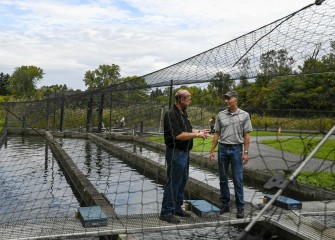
(170, 98)
(110, 113)
(61, 115)
(101, 110)
(89, 114)
(47, 114)
(161, 119)
(141, 131)
(24, 124)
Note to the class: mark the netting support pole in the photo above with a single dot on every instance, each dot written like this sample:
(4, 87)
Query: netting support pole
(24, 124)
(61, 115)
(47, 114)
(6, 120)
(284, 185)
(89, 114)
(170, 98)
(101, 111)
(161, 120)
(110, 114)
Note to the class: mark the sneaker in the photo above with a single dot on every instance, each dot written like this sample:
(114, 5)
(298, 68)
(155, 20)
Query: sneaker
(182, 213)
(240, 213)
(224, 210)
(169, 219)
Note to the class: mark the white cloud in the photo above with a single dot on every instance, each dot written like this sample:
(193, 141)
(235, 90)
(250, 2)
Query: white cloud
(67, 38)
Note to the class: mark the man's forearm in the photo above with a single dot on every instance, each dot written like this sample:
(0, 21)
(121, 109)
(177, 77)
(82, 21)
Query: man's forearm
(246, 141)
(215, 141)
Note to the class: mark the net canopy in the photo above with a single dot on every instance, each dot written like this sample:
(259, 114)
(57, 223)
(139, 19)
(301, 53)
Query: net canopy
(105, 147)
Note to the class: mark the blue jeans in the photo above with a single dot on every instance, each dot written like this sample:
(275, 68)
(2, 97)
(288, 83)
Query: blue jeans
(177, 175)
(231, 155)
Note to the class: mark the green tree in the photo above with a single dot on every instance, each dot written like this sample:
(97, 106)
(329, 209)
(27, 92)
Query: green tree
(243, 87)
(103, 76)
(137, 89)
(317, 91)
(280, 93)
(4, 84)
(23, 81)
(273, 63)
(219, 85)
(53, 89)
(313, 89)
(244, 66)
(157, 96)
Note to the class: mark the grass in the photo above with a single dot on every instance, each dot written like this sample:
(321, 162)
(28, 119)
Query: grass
(275, 134)
(199, 145)
(325, 180)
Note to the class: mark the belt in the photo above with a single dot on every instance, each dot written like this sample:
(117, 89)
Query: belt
(230, 145)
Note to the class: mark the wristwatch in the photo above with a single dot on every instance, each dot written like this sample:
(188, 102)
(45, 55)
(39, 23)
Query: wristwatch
(246, 152)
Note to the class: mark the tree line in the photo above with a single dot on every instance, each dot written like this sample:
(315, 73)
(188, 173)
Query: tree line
(277, 84)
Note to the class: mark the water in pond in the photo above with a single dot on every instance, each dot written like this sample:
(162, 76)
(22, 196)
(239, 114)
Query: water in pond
(32, 185)
(132, 193)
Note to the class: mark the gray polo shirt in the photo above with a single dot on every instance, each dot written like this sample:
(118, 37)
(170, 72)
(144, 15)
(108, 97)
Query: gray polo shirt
(232, 126)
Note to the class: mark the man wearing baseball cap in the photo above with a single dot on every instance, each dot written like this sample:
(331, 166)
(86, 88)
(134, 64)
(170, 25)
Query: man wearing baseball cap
(232, 133)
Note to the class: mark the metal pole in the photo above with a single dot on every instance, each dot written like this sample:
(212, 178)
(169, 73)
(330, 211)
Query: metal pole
(110, 114)
(47, 114)
(61, 121)
(284, 185)
(170, 98)
(100, 113)
(161, 120)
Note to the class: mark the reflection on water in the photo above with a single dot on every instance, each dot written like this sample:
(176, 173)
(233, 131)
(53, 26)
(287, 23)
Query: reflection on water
(132, 193)
(127, 190)
(32, 186)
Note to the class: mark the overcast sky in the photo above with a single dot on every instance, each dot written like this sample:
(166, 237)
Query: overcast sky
(67, 38)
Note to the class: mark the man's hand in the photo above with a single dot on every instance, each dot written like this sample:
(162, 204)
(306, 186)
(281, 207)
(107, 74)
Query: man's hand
(245, 158)
(211, 157)
(204, 133)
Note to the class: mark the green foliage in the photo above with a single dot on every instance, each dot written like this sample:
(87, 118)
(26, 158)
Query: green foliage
(199, 144)
(218, 86)
(103, 76)
(53, 89)
(4, 84)
(159, 96)
(22, 83)
(137, 90)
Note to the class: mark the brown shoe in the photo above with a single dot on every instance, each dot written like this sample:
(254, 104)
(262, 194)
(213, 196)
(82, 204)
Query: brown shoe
(182, 213)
